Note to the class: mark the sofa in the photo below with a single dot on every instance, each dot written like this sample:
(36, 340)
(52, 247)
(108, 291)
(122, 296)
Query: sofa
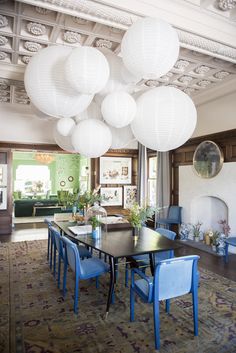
(25, 207)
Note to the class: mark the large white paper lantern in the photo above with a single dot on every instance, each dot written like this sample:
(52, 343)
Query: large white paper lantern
(115, 81)
(39, 114)
(65, 126)
(121, 138)
(91, 138)
(87, 70)
(47, 87)
(165, 119)
(118, 109)
(150, 48)
(63, 141)
(92, 112)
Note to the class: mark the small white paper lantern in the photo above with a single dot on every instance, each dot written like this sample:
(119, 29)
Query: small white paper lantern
(63, 141)
(118, 109)
(65, 126)
(87, 70)
(92, 112)
(166, 118)
(121, 137)
(150, 48)
(91, 138)
(47, 87)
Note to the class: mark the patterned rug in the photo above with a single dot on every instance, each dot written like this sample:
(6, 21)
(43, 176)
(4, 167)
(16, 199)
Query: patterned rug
(34, 317)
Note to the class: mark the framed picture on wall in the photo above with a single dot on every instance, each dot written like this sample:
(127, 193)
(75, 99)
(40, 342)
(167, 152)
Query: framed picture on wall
(130, 195)
(111, 196)
(115, 170)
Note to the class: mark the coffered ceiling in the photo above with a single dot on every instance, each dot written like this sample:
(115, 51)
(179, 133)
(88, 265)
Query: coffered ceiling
(27, 26)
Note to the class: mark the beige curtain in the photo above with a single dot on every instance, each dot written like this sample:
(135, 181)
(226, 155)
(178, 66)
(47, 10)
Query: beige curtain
(163, 184)
(142, 175)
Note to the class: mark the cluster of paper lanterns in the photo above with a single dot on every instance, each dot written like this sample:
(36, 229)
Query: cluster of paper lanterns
(89, 91)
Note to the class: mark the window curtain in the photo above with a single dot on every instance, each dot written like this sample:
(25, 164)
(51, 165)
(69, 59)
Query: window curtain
(142, 175)
(163, 184)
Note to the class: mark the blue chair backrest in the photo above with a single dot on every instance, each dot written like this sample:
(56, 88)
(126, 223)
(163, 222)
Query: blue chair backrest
(57, 240)
(174, 277)
(174, 213)
(49, 223)
(166, 232)
(72, 255)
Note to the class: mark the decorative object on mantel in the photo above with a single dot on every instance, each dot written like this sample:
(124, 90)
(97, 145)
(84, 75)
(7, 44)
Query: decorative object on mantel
(184, 231)
(207, 159)
(197, 233)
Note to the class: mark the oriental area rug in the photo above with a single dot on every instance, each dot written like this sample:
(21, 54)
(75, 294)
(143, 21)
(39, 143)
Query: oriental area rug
(34, 317)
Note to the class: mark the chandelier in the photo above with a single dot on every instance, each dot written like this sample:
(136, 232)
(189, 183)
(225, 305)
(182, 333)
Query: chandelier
(44, 158)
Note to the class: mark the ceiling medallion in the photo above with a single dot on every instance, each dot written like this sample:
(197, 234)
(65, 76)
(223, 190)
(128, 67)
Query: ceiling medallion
(103, 43)
(115, 29)
(80, 21)
(189, 90)
(204, 83)
(3, 40)
(32, 46)
(226, 5)
(152, 83)
(202, 70)
(3, 21)
(37, 29)
(42, 11)
(3, 55)
(181, 65)
(166, 78)
(72, 37)
(25, 59)
(221, 74)
(185, 79)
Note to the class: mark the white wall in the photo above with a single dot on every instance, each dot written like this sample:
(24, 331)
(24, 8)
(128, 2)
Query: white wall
(216, 115)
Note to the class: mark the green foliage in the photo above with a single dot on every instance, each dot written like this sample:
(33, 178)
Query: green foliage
(140, 215)
(88, 198)
(215, 237)
(94, 222)
(196, 229)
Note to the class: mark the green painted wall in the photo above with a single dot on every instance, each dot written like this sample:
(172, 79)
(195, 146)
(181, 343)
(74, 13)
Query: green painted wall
(65, 170)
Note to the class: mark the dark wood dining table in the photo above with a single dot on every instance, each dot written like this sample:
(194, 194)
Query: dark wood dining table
(118, 244)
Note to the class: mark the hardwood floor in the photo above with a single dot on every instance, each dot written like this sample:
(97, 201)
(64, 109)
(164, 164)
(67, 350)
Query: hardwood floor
(34, 231)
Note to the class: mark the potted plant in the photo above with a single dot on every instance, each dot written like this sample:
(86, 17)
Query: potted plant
(138, 216)
(88, 198)
(96, 226)
(197, 231)
(215, 238)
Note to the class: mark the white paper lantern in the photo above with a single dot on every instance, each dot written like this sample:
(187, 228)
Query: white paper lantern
(165, 119)
(63, 141)
(91, 138)
(128, 77)
(92, 112)
(118, 109)
(115, 81)
(65, 126)
(150, 48)
(121, 137)
(39, 114)
(87, 70)
(47, 87)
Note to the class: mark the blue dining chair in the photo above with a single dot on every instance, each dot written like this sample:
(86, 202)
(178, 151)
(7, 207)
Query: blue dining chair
(59, 248)
(173, 278)
(173, 217)
(84, 269)
(229, 241)
(144, 260)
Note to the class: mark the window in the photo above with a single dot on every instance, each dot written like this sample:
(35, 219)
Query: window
(32, 179)
(152, 180)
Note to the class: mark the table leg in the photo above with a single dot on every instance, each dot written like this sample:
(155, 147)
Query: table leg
(151, 258)
(112, 281)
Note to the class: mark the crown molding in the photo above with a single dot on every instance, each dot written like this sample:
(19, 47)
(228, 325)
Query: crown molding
(197, 29)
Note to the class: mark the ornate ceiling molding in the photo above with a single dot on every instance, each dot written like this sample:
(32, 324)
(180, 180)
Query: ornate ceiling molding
(100, 12)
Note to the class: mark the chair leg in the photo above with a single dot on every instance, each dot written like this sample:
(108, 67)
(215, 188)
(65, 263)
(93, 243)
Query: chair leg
(76, 295)
(168, 306)
(49, 241)
(59, 271)
(195, 311)
(97, 282)
(54, 260)
(64, 278)
(226, 257)
(156, 315)
(51, 252)
(131, 304)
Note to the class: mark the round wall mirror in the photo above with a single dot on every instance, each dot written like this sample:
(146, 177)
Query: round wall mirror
(207, 159)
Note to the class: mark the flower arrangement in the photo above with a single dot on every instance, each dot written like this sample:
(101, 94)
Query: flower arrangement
(88, 198)
(140, 215)
(196, 228)
(225, 226)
